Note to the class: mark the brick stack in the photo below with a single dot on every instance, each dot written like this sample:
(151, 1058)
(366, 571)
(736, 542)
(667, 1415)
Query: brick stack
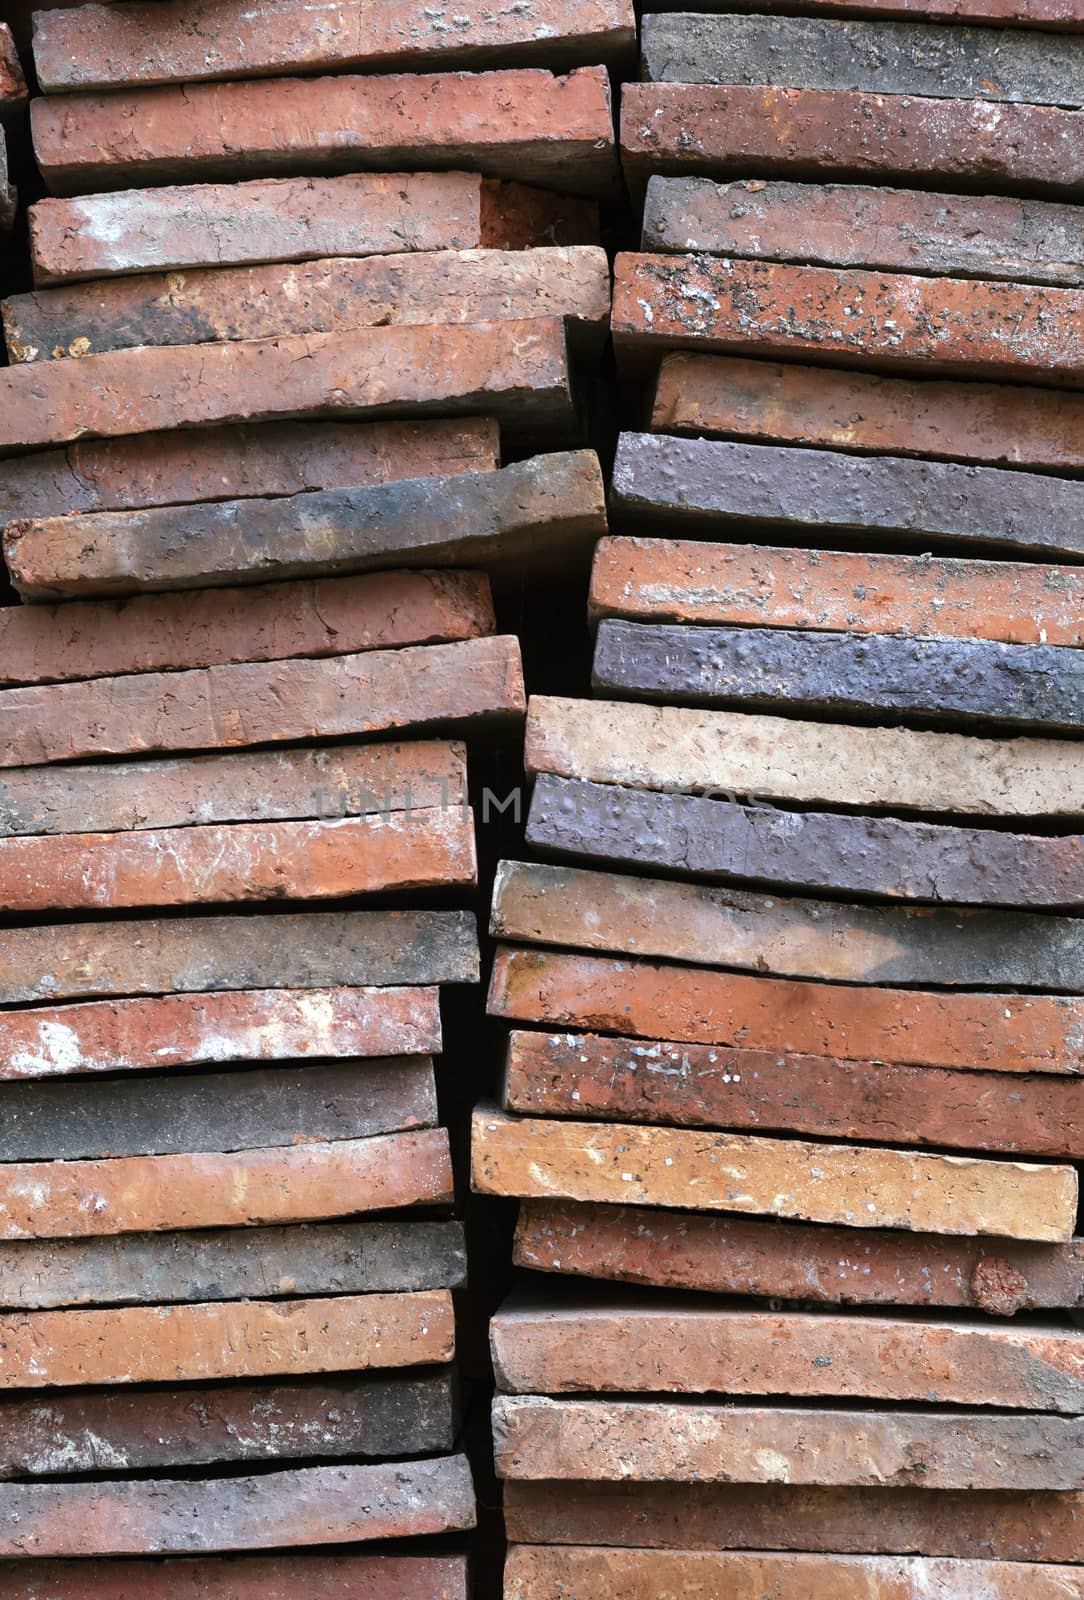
(276, 348)
(795, 1009)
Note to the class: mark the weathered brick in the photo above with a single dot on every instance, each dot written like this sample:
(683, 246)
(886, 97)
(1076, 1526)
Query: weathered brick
(536, 1573)
(320, 1577)
(760, 1091)
(272, 458)
(770, 934)
(647, 1441)
(331, 1258)
(326, 296)
(118, 46)
(239, 1025)
(991, 1524)
(698, 1005)
(883, 57)
(226, 1189)
(613, 1163)
(807, 850)
(539, 508)
(793, 1261)
(987, 423)
(294, 219)
(528, 125)
(8, 197)
(243, 861)
(775, 758)
(188, 1112)
(13, 90)
(313, 1506)
(926, 597)
(766, 132)
(1034, 688)
(247, 1339)
(517, 372)
(641, 1347)
(376, 692)
(1052, 14)
(74, 1433)
(893, 230)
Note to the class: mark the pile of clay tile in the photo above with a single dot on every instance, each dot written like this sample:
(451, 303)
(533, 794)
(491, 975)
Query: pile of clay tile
(300, 279)
(796, 1028)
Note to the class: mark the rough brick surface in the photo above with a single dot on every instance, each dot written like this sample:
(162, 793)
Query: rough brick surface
(733, 131)
(241, 1025)
(376, 692)
(775, 758)
(535, 1573)
(895, 58)
(320, 1577)
(99, 47)
(539, 508)
(528, 125)
(517, 372)
(13, 90)
(314, 1506)
(791, 1261)
(990, 424)
(806, 850)
(926, 597)
(894, 230)
(180, 955)
(8, 197)
(371, 1418)
(326, 296)
(293, 219)
(250, 1339)
(298, 1183)
(697, 1005)
(536, 1159)
(274, 458)
(1053, 14)
(770, 934)
(650, 1442)
(332, 1258)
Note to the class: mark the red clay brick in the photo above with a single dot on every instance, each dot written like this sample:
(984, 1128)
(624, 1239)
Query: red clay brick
(237, 1025)
(528, 125)
(13, 90)
(320, 1577)
(725, 131)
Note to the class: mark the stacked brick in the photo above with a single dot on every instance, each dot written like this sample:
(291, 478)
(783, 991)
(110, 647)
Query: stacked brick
(275, 350)
(793, 1101)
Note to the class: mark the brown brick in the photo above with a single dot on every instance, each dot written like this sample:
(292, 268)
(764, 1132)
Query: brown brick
(188, 955)
(928, 597)
(247, 1339)
(776, 758)
(273, 458)
(124, 45)
(697, 1005)
(535, 1573)
(325, 782)
(644, 1348)
(650, 1442)
(846, 225)
(136, 1432)
(613, 1163)
(528, 125)
(792, 1261)
(326, 296)
(986, 423)
(320, 1577)
(727, 131)
(13, 90)
(895, 58)
(376, 692)
(867, 319)
(239, 1025)
(514, 371)
(991, 1524)
(297, 1183)
(314, 1506)
(543, 509)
